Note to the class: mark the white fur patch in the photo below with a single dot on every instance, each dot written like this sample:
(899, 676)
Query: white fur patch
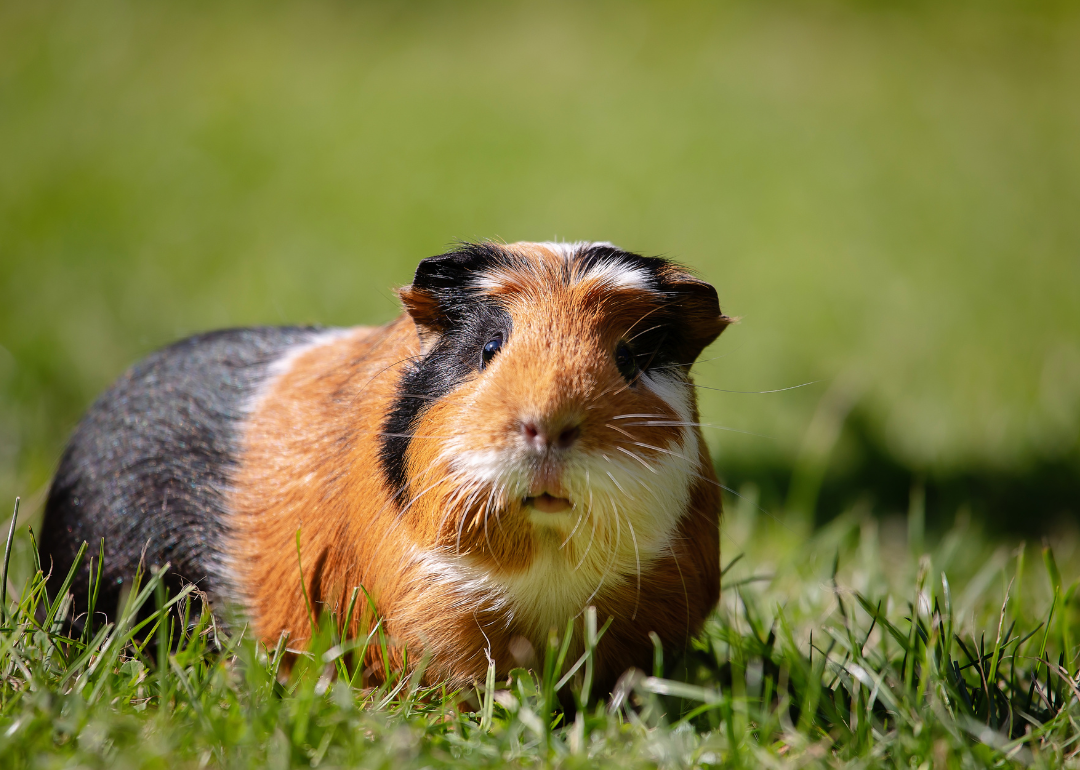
(616, 275)
(289, 358)
(674, 390)
(285, 362)
(569, 250)
(497, 280)
(612, 273)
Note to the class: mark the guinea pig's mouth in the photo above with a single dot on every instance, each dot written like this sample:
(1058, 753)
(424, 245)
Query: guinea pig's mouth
(546, 503)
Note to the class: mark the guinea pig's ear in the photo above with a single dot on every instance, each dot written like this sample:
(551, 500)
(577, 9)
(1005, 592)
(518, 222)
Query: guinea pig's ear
(426, 313)
(442, 284)
(697, 313)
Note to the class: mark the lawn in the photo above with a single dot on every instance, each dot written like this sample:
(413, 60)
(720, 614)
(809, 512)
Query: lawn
(812, 659)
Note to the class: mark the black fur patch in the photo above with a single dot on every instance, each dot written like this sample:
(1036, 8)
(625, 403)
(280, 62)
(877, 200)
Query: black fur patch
(149, 464)
(469, 321)
(452, 360)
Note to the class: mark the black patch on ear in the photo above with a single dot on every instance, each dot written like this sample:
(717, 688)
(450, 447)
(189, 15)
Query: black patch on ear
(450, 278)
(468, 321)
(690, 319)
(455, 269)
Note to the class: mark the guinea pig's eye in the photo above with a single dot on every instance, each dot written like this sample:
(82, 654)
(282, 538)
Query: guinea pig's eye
(625, 361)
(490, 349)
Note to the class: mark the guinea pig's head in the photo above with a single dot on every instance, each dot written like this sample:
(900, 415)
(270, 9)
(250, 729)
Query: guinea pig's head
(549, 416)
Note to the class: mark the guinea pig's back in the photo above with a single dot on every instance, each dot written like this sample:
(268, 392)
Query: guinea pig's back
(149, 465)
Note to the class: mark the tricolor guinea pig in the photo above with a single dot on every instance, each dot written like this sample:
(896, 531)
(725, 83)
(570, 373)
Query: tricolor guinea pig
(521, 443)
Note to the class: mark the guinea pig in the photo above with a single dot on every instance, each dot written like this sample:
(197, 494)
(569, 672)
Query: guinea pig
(521, 443)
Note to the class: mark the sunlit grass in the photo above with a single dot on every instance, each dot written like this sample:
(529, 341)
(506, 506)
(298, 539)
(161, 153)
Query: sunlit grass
(814, 661)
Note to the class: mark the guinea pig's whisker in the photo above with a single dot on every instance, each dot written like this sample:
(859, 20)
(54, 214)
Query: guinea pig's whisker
(652, 357)
(477, 516)
(620, 430)
(636, 457)
(661, 449)
(460, 526)
(452, 506)
(495, 499)
(665, 367)
(731, 491)
(463, 487)
(643, 483)
(637, 564)
(592, 537)
(676, 424)
(487, 537)
(570, 536)
(643, 445)
(717, 484)
(614, 554)
(409, 435)
(629, 416)
(419, 495)
(640, 480)
(599, 397)
(686, 596)
(646, 331)
(581, 513)
(442, 522)
(646, 315)
(620, 386)
(756, 392)
(618, 485)
(408, 503)
(387, 368)
(689, 363)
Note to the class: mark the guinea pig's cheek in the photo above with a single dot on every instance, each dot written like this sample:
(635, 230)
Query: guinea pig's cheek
(674, 392)
(479, 419)
(479, 442)
(477, 455)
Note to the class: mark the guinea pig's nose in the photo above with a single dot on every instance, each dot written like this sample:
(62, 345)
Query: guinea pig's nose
(541, 435)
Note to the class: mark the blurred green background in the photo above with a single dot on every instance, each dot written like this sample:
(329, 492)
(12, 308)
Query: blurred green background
(888, 194)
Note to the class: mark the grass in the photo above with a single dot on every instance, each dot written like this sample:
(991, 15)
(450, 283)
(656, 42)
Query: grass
(850, 647)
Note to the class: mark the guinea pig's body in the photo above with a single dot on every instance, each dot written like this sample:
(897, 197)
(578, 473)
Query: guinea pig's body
(521, 444)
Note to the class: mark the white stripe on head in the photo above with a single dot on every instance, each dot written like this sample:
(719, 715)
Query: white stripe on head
(613, 273)
(570, 250)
